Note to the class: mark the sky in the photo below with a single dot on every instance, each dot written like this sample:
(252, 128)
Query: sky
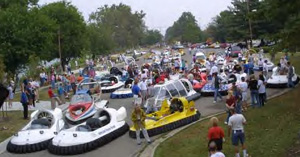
(160, 14)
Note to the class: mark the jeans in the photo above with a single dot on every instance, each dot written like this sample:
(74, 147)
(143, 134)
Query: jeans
(254, 98)
(42, 81)
(228, 116)
(53, 84)
(290, 83)
(138, 132)
(25, 110)
(262, 99)
(216, 94)
(238, 107)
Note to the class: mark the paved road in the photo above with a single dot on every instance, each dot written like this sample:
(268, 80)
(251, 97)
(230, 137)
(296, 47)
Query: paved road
(125, 146)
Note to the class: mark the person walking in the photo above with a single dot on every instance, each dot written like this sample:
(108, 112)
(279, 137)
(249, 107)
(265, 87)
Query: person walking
(216, 83)
(230, 104)
(265, 69)
(253, 86)
(236, 131)
(238, 98)
(25, 102)
(138, 117)
(261, 90)
(136, 90)
(290, 75)
(42, 77)
(215, 134)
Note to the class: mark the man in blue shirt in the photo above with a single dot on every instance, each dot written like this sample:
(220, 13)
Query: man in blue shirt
(136, 90)
(61, 93)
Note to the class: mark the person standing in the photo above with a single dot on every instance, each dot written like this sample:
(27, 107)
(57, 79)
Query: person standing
(25, 102)
(138, 117)
(73, 82)
(261, 90)
(216, 83)
(230, 104)
(253, 86)
(144, 90)
(290, 75)
(61, 93)
(136, 91)
(11, 93)
(52, 81)
(215, 134)
(53, 98)
(42, 77)
(238, 98)
(236, 131)
(265, 69)
(260, 64)
(244, 89)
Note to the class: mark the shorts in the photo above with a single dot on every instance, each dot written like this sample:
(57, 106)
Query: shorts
(219, 143)
(244, 96)
(238, 136)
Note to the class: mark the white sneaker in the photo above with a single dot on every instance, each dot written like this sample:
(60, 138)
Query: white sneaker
(225, 123)
(214, 102)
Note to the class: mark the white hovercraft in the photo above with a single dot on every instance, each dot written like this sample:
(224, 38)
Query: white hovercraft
(85, 103)
(110, 83)
(105, 126)
(36, 135)
(278, 80)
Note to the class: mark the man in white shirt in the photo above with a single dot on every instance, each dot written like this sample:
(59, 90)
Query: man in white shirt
(244, 89)
(213, 150)
(236, 128)
(144, 89)
(260, 64)
(214, 69)
(265, 69)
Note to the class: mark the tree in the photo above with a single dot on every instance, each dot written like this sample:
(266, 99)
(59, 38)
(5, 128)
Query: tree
(70, 32)
(126, 28)
(100, 40)
(152, 37)
(185, 29)
(24, 31)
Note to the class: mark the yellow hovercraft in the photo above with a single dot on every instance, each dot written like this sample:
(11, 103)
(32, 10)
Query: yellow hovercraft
(171, 116)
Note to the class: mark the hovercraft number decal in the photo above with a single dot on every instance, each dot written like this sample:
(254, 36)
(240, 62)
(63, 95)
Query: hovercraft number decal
(106, 130)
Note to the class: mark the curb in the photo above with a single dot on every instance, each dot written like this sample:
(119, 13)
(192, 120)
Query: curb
(149, 150)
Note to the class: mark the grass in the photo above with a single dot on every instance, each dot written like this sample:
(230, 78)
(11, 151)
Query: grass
(13, 124)
(270, 131)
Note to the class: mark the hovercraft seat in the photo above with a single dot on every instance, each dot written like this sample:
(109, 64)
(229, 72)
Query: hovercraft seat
(42, 123)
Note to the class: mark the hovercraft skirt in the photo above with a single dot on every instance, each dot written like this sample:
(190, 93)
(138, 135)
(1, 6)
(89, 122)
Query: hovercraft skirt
(29, 148)
(168, 127)
(82, 148)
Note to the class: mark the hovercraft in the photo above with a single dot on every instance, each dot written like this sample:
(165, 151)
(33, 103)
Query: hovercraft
(105, 126)
(270, 65)
(178, 113)
(36, 135)
(125, 92)
(85, 102)
(110, 83)
(280, 80)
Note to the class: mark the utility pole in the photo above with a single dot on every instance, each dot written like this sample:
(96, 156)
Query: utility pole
(249, 20)
(59, 50)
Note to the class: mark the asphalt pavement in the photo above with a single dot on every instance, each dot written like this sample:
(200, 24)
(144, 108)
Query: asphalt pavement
(125, 146)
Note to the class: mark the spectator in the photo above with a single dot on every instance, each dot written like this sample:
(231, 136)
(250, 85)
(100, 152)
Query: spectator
(260, 64)
(265, 69)
(236, 130)
(261, 90)
(253, 86)
(144, 90)
(42, 77)
(53, 98)
(290, 75)
(73, 82)
(194, 58)
(136, 90)
(230, 104)
(215, 134)
(244, 89)
(214, 69)
(79, 78)
(52, 81)
(238, 98)
(251, 66)
(213, 150)
(11, 93)
(25, 102)
(216, 82)
(138, 117)
(61, 93)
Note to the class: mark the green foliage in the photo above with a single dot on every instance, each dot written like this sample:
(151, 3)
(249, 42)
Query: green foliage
(152, 37)
(125, 28)
(71, 30)
(33, 65)
(2, 69)
(185, 29)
